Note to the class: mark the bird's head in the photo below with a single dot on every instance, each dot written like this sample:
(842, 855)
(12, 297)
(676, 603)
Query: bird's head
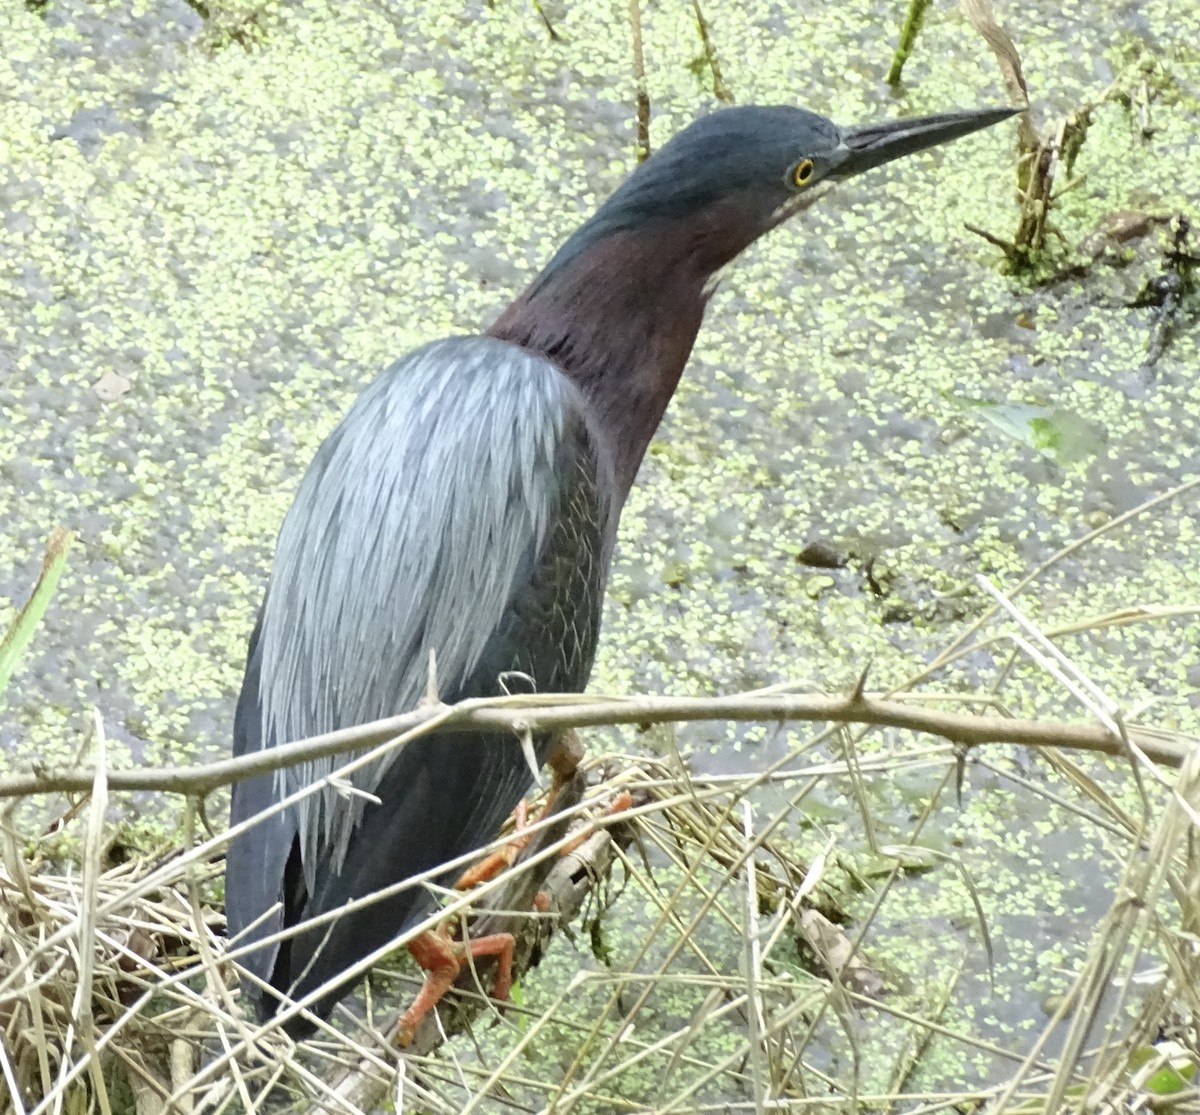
(619, 306)
(750, 168)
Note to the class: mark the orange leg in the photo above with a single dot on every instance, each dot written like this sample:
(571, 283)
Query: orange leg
(491, 866)
(439, 953)
(443, 958)
(623, 801)
(563, 759)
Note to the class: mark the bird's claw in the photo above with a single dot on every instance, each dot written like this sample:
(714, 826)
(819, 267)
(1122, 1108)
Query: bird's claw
(442, 957)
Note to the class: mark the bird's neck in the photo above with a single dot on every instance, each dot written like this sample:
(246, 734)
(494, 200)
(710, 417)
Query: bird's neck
(619, 316)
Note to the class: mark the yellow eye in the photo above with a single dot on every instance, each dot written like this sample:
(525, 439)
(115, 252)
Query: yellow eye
(803, 173)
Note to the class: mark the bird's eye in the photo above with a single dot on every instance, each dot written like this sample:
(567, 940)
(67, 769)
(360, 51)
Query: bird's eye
(803, 172)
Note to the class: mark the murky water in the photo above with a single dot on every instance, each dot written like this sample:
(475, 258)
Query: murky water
(246, 219)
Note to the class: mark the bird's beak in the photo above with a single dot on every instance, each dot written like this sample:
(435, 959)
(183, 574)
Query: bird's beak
(872, 145)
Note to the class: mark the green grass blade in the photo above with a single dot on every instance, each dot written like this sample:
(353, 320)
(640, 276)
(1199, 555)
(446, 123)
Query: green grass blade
(21, 630)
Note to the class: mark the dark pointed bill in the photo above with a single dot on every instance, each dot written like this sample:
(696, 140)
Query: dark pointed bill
(872, 145)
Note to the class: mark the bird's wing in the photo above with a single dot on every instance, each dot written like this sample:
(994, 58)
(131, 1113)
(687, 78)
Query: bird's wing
(416, 519)
(256, 861)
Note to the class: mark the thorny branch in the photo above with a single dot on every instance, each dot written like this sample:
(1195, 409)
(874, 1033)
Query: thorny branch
(552, 714)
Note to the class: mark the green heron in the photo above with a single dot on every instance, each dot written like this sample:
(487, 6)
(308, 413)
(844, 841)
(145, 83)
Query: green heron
(467, 505)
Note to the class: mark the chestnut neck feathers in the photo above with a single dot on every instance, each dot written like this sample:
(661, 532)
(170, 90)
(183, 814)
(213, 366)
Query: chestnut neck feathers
(620, 313)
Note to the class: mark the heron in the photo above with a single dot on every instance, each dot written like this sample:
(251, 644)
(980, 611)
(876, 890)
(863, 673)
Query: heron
(466, 507)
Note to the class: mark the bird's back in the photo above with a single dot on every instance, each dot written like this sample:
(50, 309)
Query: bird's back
(462, 506)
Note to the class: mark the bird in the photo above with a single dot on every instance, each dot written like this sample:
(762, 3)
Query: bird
(465, 511)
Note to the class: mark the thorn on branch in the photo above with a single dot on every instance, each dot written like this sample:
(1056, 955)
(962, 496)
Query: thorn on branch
(858, 695)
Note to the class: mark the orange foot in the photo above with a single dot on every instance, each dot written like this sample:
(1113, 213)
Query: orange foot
(440, 954)
(443, 957)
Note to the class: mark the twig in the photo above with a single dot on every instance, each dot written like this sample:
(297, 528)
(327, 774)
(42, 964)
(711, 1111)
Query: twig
(557, 713)
(961, 645)
(642, 96)
(913, 19)
(720, 89)
(753, 962)
(554, 35)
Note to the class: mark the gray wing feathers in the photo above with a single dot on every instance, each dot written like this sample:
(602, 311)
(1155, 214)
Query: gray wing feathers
(419, 508)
